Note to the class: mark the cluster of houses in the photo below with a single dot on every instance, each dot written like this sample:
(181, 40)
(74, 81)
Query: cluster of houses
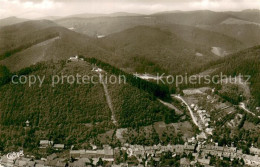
(200, 153)
(204, 118)
(235, 122)
(107, 152)
(232, 153)
(51, 160)
(141, 152)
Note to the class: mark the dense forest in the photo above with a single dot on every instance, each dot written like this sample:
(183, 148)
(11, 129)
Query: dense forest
(24, 46)
(4, 75)
(161, 91)
(154, 50)
(67, 114)
(246, 62)
(72, 113)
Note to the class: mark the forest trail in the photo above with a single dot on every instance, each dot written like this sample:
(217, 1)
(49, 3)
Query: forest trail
(108, 98)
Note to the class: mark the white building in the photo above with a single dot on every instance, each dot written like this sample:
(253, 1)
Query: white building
(76, 58)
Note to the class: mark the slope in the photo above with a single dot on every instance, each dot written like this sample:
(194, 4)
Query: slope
(211, 21)
(27, 33)
(252, 15)
(200, 17)
(205, 37)
(31, 42)
(248, 34)
(245, 63)
(103, 26)
(149, 49)
(70, 113)
(91, 15)
(10, 21)
(108, 25)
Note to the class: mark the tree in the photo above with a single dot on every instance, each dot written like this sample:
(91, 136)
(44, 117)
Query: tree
(125, 156)
(100, 162)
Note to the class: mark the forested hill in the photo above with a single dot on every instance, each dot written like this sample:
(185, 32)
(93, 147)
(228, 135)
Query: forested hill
(246, 62)
(154, 50)
(28, 43)
(71, 113)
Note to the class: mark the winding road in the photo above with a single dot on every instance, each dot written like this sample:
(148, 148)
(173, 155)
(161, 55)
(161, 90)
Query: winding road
(190, 110)
(243, 106)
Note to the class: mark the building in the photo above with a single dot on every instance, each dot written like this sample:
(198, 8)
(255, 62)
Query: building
(254, 151)
(80, 162)
(251, 160)
(45, 143)
(77, 153)
(184, 162)
(52, 157)
(24, 162)
(179, 149)
(107, 152)
(59, 146)
(76, 58)
(27, 123)
(7, 161)
(204, 161)
(189, 148)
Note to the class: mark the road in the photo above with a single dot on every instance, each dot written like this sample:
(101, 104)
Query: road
(190, 110)
(169, 105)
(243, 107)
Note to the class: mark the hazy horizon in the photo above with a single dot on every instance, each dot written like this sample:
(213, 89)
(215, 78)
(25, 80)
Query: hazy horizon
(33, 9)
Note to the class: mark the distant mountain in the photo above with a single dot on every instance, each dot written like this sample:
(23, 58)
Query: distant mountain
(161, 48)
(224, 23)
(92, 15)
(130, 40)
(104, 25)
(32, 15)
(151, 49)
(252, 15)
(167, 12)
(13, 36)
(10, 21)
(200, 17)
(245, 33)
(205, 38)
(119, 14)
(172, 48)
(27, 43)
(26, 27)
(86, 15)
(238, 22)
(207, 17)
(50, 18)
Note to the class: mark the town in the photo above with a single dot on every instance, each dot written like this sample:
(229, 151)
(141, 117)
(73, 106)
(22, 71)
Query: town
(191, 153)
(129, 83)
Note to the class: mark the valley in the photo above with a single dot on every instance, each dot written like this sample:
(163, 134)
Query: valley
(102, 121)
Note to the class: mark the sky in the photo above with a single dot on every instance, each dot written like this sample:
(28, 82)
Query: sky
(33, 9)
